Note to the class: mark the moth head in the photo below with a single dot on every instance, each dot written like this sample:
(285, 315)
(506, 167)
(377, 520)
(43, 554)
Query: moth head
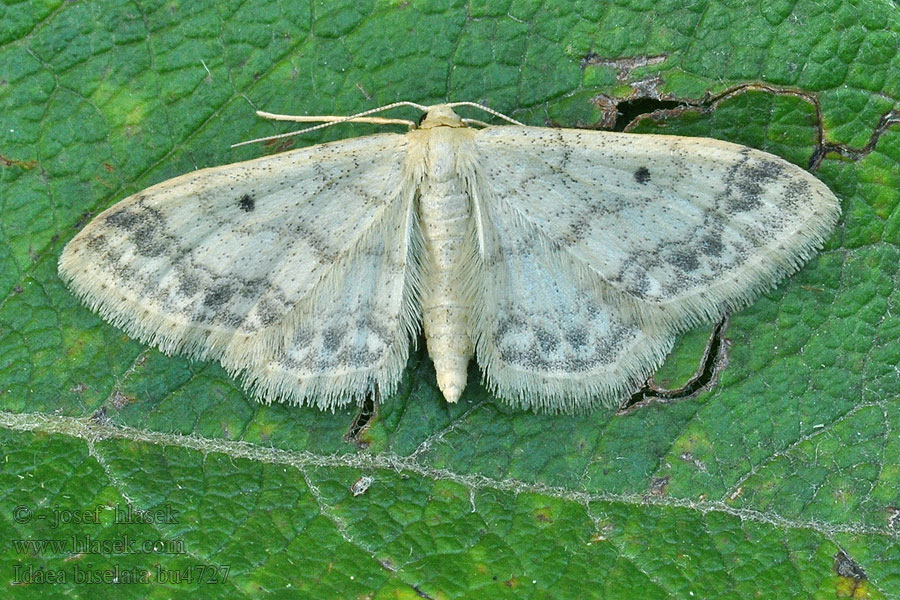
(441, 116)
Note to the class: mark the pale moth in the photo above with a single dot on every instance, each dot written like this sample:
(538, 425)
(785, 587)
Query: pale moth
(566, 261)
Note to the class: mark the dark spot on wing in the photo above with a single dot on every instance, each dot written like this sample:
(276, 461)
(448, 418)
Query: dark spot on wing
(642, 175)
(576, 337)
(510, 323)
(711, 244)
(247, 203)
(683, 259)
(634, 275)
(547, 340)
(748, 179)
(795, 191)
(361, 357)
(217, 297)
(97, 243)
(268, 312)
(146, 226)
(332, 339)
(121, 270)
(764, 170)
(303, 338)
(187, 285)
(127, 219)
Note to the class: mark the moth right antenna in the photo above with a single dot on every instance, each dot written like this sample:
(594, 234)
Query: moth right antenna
(490, 111)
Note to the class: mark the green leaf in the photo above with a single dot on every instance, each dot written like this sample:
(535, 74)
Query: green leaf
(778, 476)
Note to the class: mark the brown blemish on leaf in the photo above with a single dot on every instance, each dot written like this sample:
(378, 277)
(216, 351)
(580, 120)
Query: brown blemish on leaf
(609, 107)
(542, 515)
(12, 162)
(852, 581)
(658, 486)
(893, 516)
(118, 400)
(623, 66)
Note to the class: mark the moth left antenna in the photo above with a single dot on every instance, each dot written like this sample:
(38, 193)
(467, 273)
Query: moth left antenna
(331, 120)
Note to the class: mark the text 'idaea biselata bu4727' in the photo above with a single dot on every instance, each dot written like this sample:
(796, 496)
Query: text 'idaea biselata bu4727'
(565, 261)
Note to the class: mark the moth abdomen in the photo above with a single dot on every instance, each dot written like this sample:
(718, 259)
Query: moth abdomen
(446, 216)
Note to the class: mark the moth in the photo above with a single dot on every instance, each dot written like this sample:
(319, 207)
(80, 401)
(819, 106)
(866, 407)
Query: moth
(565, 261)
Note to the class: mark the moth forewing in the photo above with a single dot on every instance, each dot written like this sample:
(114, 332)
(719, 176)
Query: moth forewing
(685, 228)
